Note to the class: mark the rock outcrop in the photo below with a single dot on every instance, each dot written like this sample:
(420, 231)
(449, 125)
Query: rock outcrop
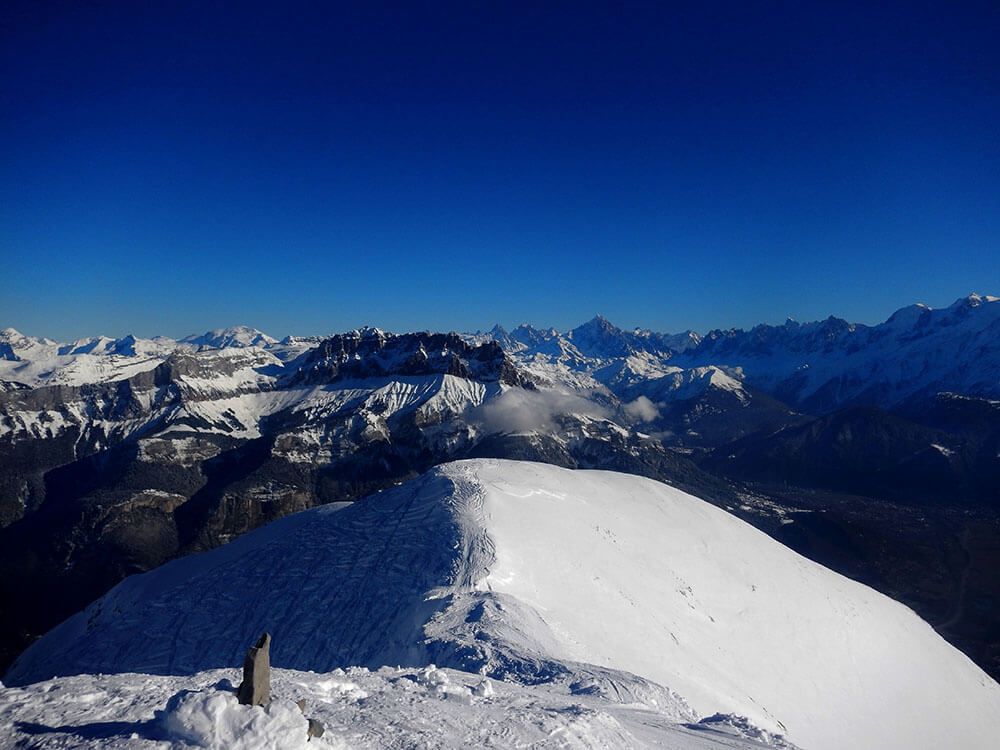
(255, 690)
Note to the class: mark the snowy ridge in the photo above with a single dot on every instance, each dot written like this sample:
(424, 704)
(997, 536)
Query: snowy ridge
(590, 583)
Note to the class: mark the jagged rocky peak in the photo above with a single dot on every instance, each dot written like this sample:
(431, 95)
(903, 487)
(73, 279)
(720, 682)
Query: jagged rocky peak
(530, 336)
(523, 336)
(765, 340)
(677, 342)
(599, 338)
(598, 325)
(822, 334)
(500, 334)
(372, 352)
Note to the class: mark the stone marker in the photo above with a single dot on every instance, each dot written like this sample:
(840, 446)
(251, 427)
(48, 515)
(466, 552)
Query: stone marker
(316, 729)
(255, 690)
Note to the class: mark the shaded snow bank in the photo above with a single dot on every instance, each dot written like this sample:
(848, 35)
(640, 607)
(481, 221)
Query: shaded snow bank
(215, 719)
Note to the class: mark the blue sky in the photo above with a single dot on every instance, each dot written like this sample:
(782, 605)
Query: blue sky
(312, 167)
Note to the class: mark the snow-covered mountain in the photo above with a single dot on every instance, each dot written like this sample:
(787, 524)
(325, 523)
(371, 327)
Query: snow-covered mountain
(817, 367)
(105, 479)
(32, 362)
(917, 352)
(38, 362)
(235, 336)
(593, 585)
(117, 455)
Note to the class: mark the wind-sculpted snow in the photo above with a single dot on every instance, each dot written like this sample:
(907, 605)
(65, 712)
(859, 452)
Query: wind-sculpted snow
(589, 582)
(425, 707)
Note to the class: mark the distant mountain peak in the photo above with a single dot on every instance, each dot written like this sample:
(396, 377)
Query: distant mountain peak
(230, 337)
(909, 315)
(599, 321)
(974, 300)
(373, 353)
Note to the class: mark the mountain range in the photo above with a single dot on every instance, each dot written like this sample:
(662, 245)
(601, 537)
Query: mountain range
(874, 450)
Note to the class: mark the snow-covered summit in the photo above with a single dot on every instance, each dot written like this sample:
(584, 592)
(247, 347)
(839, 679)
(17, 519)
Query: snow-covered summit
(16, 338)
(600, 339)
(975, 300)
(598, 582)
(15, 346)
(234, 336)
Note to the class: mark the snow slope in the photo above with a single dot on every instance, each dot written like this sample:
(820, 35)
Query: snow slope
(533, 573)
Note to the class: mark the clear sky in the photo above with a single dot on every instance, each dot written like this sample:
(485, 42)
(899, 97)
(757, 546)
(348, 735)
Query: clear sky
(315, 166)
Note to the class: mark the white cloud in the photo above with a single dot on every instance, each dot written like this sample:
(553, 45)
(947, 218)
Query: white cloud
(520, 410)
(641, 410)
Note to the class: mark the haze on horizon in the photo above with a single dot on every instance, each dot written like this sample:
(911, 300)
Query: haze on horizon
(308, 169)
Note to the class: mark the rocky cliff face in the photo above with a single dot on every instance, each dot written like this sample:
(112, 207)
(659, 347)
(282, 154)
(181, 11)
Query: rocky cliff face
(372, 353)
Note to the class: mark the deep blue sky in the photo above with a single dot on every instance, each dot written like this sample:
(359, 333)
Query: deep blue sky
(311, 167)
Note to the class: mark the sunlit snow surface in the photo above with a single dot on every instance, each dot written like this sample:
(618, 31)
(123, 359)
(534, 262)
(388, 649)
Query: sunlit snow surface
(643, 605)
